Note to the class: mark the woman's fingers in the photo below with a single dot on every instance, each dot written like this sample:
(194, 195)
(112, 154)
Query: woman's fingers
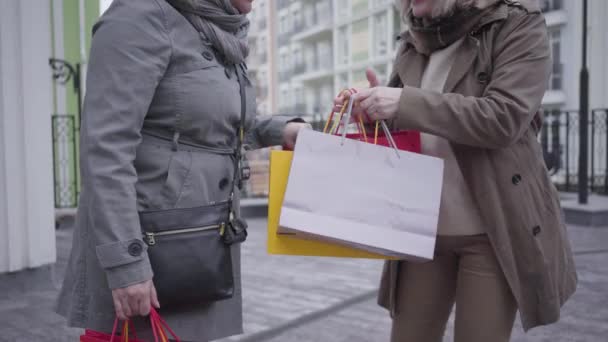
(120, 313)
(154, 297)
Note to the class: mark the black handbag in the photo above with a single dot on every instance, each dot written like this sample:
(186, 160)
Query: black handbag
(190, 248)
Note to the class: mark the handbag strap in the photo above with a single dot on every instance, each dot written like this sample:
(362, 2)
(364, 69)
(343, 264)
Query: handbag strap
(236, 181)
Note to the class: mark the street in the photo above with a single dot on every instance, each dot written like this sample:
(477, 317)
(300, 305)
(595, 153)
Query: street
(293, 299)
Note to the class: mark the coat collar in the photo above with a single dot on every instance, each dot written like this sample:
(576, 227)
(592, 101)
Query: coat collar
(412, 71)
(501, 13)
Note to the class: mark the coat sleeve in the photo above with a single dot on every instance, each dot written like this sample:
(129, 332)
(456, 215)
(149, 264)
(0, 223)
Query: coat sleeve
(129, 55)
(266, 130)
(501, 116)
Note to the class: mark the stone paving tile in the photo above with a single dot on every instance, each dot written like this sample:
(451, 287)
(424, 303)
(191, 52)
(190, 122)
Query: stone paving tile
(584, 317)
(279, 289)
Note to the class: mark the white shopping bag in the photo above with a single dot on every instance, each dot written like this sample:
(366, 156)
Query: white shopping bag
(362, 195)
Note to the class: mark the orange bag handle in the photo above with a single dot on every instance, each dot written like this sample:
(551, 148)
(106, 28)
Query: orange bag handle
(360, 124)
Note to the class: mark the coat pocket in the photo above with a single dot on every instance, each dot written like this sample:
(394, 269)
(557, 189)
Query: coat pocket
(176, 181)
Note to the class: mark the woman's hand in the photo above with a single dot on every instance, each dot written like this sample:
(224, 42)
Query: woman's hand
(344, 96)
(379, 103)
(290, 133)
(135, 300)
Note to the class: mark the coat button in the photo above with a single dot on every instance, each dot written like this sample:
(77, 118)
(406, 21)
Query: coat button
(208, 55)
(223, 183)
(135, 249)
(516, 179)
(483, 77)
(536, 230)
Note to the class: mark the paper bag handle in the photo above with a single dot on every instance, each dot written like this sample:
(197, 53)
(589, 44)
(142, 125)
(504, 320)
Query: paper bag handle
(387, 132)
(347, 109)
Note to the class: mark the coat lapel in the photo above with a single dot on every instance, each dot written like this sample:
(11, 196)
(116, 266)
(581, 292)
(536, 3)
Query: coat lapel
(466, 55)
(410, 71)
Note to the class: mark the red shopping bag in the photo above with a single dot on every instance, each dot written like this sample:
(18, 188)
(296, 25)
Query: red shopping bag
(404, 140)
(159, 329)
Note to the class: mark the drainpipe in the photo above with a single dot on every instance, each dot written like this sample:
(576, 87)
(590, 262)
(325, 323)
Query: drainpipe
(83, 50)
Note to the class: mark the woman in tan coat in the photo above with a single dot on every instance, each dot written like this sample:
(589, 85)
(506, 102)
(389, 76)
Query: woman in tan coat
(470, 75)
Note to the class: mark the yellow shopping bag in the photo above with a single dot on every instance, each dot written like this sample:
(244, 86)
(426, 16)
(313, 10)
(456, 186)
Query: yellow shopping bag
(284, 244)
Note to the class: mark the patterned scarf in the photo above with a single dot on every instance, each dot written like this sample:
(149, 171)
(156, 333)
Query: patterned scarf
(221, 24)
(436, 34)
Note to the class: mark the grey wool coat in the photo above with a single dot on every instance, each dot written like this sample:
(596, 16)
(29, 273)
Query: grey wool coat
(151, 74)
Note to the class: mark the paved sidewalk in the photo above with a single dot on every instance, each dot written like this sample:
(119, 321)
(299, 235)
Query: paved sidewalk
(323, 299)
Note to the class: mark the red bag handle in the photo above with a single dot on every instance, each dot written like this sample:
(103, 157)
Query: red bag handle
(158, 328)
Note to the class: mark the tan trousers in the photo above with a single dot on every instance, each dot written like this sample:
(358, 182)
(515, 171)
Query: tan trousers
(464, 271)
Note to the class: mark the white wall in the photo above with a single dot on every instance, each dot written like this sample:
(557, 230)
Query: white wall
(27, 236)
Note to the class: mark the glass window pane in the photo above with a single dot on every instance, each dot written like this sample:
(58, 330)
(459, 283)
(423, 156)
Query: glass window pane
(360, 40)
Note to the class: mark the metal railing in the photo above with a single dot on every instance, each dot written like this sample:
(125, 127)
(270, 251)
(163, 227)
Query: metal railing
(65, 161)
(560, 142)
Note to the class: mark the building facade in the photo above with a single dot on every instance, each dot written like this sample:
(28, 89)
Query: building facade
(31, 94)
(560, 134)
(325, 46)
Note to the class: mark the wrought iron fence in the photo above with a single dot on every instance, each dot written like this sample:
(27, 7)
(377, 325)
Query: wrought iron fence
(65, 161)
(560, 141)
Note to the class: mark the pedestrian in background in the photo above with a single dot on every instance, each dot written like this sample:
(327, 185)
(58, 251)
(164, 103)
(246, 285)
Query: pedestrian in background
(161, 123)
(470, 75)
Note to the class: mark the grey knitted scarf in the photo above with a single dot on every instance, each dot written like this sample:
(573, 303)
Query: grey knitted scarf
(221, 24)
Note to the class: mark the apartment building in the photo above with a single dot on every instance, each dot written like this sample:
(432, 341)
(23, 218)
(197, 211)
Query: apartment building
(262, 68)
(326, 45)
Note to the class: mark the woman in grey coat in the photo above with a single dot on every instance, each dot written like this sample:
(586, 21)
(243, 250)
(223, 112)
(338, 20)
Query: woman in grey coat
(160, 123)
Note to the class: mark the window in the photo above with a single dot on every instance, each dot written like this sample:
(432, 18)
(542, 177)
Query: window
(343, 46)
(381, 72)
(297, 58)
(283, 24)
(297, 19)
(359, 79)
(550, 5)
(342, 82)
(360, 39)
(555, 82)
(323, 12)
(380, 35)
(324, 55)
(360, 7)
(343, 8)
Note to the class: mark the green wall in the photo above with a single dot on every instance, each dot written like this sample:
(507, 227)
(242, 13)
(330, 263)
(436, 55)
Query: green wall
(70, 32)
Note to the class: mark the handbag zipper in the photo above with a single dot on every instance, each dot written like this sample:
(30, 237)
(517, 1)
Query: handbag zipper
(150, 238)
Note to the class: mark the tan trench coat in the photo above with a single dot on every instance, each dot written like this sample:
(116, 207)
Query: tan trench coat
(489, 113)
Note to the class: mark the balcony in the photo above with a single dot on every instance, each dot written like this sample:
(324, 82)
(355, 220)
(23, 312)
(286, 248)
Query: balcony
(314, 25)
